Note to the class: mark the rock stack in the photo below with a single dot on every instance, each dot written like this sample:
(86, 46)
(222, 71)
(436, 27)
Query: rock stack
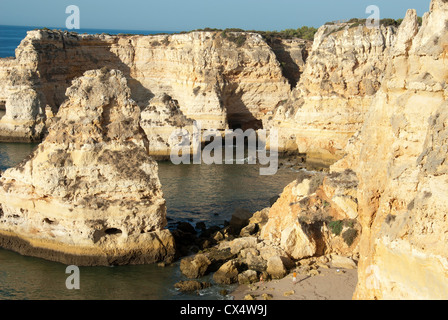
(90, 193)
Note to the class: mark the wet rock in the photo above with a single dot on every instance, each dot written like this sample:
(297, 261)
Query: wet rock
(218, 257)
(186, 227)
(191, 285)
(240, 219)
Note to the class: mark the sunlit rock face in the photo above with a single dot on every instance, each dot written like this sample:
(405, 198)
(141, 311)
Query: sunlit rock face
(342, 74)
(90, 193)
(400, 160)
(222, 80)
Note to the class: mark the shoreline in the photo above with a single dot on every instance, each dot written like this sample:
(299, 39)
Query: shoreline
(329, 284)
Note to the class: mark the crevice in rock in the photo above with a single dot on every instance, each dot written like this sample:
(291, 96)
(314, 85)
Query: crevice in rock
(238, 116)
(291, 70)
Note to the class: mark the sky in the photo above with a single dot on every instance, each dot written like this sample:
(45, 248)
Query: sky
(186, 15)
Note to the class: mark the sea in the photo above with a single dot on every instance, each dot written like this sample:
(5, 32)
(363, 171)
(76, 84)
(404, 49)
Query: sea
(11, 36)
(194, 193)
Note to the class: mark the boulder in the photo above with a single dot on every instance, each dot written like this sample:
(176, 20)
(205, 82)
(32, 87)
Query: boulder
(240, 219)
(275, 268)
(260, 217)
(191, 285)
(218, 256)
(248, 277)
(255, 262)
(227, 273)
(195, 266)
(249, 230)
(338, 261)
(242, 243)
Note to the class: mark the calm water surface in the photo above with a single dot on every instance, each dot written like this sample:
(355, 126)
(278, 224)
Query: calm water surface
(193, 193)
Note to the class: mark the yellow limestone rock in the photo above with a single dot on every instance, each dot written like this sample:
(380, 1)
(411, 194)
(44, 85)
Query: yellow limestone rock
(213, 79)
(400, 158)
(342, 74)
(90, 193)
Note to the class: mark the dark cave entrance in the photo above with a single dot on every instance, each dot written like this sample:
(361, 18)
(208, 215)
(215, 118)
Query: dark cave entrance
(243, 121)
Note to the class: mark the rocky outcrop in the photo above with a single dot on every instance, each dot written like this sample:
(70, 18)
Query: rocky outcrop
(221, 79)
(313, 216)
(400, 160)
(89, 194)
(22, 101)
(315, 94)
(160, 120)
(273, 251)
(342, 74)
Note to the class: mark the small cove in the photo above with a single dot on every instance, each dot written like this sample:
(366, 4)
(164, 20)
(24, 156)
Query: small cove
(194, 193)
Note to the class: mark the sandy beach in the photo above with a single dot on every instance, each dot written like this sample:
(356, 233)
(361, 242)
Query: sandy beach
(329, 284)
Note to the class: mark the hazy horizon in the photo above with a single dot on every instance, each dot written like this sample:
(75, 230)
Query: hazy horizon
(178, 15)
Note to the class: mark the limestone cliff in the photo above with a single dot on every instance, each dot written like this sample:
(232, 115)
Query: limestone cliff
(400, 159)
(89, 194)
(303, 220)
(159, 120)
(343, 72)
(222, 79)
(398, 194)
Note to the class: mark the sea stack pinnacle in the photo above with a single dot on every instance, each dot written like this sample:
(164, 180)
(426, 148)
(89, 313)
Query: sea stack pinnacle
(90, 193)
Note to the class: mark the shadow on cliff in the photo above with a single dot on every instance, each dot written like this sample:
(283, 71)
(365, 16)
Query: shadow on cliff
(79, 56)
(290, 69)
(238, 115)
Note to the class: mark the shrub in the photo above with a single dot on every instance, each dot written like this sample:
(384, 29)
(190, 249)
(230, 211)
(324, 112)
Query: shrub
(349, 236)
(239, 39)
(350, 223)
(336, 227)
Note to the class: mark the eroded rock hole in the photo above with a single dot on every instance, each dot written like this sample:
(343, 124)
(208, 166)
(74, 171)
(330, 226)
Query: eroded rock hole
(113, 231)
(46, 220)
(2, 108)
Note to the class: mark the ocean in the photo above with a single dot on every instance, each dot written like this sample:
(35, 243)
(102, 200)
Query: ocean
(11, 36)
(194, 193)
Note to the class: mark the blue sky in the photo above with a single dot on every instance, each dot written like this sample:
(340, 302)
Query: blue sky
(179, 15)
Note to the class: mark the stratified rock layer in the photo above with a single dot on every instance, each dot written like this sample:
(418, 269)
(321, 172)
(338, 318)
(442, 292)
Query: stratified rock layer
(216, 79)
(90, 193)
(400, 157)
(342, 74)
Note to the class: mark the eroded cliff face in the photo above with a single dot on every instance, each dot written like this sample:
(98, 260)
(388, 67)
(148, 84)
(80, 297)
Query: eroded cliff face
(393, 179)
(89, 194)
(303, 221)
(342, 74)
(315, 94)
(229, 80)
(400, 160)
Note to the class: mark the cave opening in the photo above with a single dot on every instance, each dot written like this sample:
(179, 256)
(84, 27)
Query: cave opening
(112, 231)
(2, 108)
(243, 121)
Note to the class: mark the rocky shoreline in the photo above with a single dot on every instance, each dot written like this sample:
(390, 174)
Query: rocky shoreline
(372, 99)
(241, 252)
